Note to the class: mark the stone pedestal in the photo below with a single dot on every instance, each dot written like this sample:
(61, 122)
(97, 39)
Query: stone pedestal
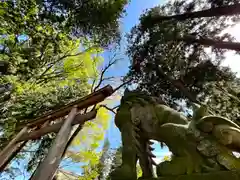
(223, 175)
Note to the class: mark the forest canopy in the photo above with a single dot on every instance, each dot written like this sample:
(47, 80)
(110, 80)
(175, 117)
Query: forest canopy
(52, 52)
(51, 55)
(169, 57)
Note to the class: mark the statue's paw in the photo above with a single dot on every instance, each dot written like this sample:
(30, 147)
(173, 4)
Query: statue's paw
(168, 168)
(178, 166)
(123, 173)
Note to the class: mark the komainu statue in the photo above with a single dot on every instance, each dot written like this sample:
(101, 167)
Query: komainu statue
(202, 144)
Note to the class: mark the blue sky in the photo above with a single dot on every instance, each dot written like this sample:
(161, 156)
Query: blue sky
(134, 10)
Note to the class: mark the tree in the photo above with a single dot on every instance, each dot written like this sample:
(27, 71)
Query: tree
(87, 139)
(105, 159)
(117, 161)
(90, 137)
(50, 51)
(97, 19)
(218, 8)
(32, 31)
(225, 97)
(178, 70)
(32, 100)
(218, 11)
(117, 158)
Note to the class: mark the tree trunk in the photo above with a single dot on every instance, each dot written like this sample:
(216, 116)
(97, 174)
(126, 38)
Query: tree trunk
(229, 10)
(211, 42)
(178, 84)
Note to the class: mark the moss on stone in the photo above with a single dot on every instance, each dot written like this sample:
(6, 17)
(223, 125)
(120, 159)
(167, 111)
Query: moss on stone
(223, 175)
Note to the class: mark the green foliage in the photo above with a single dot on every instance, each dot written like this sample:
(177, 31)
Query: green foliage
(52, 49)
(32, 98)
(40, 153)
(85, 145)
(105, 159)
(139, 171)
(97, 19)
(93, 131)
(48, 69)
(179, 71)
(117, 161)
(224, 97)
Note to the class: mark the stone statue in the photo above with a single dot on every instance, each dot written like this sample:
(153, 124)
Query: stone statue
(202, 144)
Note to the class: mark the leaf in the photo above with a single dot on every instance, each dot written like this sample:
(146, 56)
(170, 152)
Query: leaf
(166, 158)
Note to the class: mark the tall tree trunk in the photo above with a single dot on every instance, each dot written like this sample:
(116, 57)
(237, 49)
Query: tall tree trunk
(229, 10)
(210, 42)
(177, 84)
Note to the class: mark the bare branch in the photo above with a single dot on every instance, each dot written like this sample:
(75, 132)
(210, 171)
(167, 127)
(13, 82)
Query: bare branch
(93, 83)
(63, 57)
(55, 74)
(108, 108)
(108, 78)
(112, 61)
(116, 107)
(123, 84)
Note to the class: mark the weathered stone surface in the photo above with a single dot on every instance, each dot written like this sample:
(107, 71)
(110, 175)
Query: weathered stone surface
(224, 175)
(202, 144)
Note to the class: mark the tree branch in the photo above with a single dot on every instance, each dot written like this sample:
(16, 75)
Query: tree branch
(63, 57)
(177, 84)
(229, 10)
(111, 62)
(235, 46)
(123, 84)
(108, 108)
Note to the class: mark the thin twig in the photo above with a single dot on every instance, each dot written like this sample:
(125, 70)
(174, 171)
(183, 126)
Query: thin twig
(108, 108)
(93, 83)
(108, 78)
(116, 107)
(111, 62)
(123, 84)
(63, 57)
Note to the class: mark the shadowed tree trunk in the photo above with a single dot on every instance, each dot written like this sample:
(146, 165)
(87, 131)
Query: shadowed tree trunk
(211, 42)
(179, 85)
(212, 12)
